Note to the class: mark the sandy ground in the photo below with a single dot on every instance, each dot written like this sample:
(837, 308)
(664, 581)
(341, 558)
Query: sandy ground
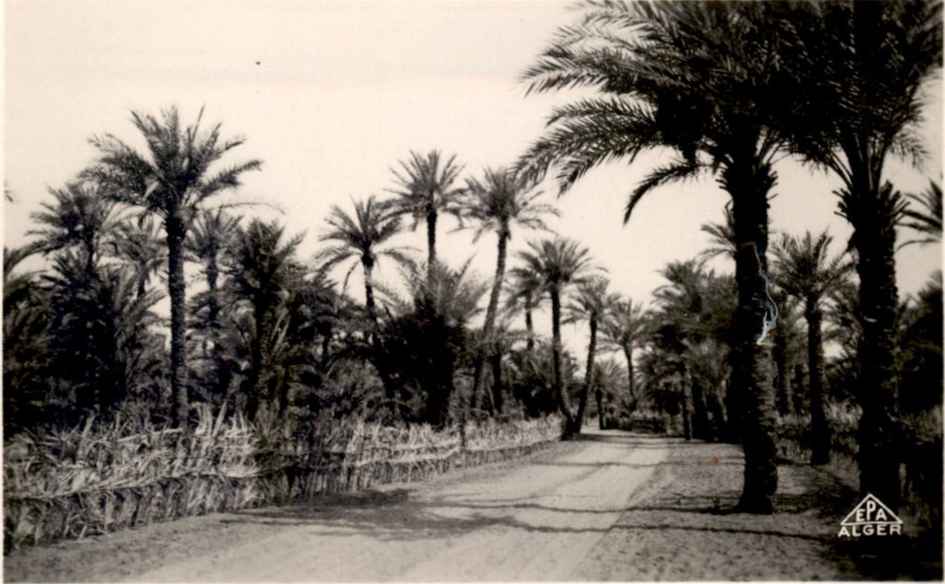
(611, 506)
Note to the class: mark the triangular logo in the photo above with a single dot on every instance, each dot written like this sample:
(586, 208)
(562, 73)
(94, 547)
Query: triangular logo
(871, 511)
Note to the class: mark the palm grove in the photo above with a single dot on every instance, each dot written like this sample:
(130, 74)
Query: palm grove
(726, 90)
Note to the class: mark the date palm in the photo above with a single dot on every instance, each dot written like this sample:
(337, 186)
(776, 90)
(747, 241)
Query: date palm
(525, 292)
(808, 272)
(208, 242)
(498, 202)
(365, 237)
(623, 329)
(591, 303)
(426, 188)
(261, 273)
(879, 56)
(80, 217)
(702, 79)
(559, 264)
(171, 179)
(138, 242)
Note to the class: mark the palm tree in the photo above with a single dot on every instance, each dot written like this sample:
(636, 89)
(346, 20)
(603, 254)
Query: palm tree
(927, 220)
(139, 243)
(525, 292)
(425, 189)
(172, 179)
(80, 217)
(807, 272)
(674, 77)
(623, 329)
(496, 203)
(261, 272)
(592, 302)
(879, 57)
(559, 263)
(211, 237)
(362, 237)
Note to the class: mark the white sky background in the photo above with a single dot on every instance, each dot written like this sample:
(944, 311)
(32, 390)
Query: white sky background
(341, 92)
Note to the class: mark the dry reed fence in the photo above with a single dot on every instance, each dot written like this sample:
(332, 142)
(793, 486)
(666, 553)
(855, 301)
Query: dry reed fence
(93, 481)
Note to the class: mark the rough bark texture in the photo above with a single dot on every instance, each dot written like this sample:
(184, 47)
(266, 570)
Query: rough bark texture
(488, 326)
(176, 232)
(749, 183)
(875, 242)
(431, 242)
(588, 375)
(820, 430)
(631, 389)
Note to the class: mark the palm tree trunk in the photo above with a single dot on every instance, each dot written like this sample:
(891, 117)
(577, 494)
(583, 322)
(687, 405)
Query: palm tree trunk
(375, 341)
(628, 354)
(176, 233)
(564, 402)
(820, 430)
(684, 412)
(781, 371)
(498, 389)
(488, 325)
(588, 375)
(875, 242)
(748, 182)
(431, 242)
(529, 325)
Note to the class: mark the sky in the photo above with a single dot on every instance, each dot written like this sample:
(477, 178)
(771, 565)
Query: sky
(330, 95)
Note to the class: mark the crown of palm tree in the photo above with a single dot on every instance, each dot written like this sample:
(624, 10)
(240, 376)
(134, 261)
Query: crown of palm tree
(453, 295)
(624, 323)
(590, 301)
(80, 215)
(211, 233)
(523, 284)
(805, 268)
(425, 185)
(671, 76)
(360, 236)
(262, 262)
(176, 171)
(500, 199)
(558, 262)
(927, 219)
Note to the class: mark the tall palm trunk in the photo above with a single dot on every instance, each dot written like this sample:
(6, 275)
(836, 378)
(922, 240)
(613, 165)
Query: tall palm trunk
(781, 371)
(874, 237)
(748, 181)
(176, 232)
(379, 363)
(820, 430)
(529, 325)
(631, 389)
(588, 374)
(431, 241)
(488, 325)
(564, 401)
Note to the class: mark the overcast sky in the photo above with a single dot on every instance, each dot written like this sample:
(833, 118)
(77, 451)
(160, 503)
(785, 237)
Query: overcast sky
(331, 94)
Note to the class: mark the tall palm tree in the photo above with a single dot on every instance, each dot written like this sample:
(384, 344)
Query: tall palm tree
(261, 272)
(362, 237)
(623, 328)
(879, 57)
(525, 292)
(138, 242)
(171, 180)
(559, 263)
(212, 235)
(927, 219)
(80, 217)
(497, 202)
(591, 303)
(701, 78)
(807, 272)
(425, 188)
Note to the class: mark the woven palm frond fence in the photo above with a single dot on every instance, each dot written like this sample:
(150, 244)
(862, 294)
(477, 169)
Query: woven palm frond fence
(94, 481)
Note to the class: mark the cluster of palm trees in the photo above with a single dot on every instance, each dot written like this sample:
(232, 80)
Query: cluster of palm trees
(730, 88)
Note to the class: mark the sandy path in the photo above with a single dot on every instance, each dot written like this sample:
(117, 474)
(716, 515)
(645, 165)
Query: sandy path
(535, 521)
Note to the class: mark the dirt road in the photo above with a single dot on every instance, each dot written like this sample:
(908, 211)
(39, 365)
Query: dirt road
(608, 506)
(535, 521)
